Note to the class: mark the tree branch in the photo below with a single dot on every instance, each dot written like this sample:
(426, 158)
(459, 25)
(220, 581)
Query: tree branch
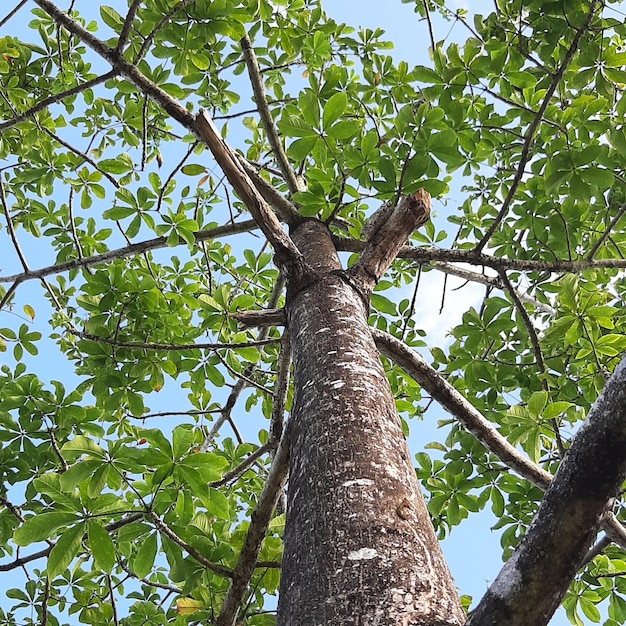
(167, 347)
(444, 393)
(55, 98)
(266, 116)
(130, 250)
(388, 238)
(530, 133)
(471, 257)
(607, 232)
(259, 522)
(533, 581)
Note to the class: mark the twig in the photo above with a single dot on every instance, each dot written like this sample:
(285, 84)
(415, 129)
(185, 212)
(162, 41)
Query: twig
(607, 232)
(266, 116)
(172, 347)
(164, 528)
(534, 341)
(530, 133)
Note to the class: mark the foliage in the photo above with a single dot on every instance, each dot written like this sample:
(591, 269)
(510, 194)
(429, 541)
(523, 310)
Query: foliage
(141, 516)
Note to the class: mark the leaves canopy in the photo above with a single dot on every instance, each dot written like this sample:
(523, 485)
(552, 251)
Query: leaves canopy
(112, 203)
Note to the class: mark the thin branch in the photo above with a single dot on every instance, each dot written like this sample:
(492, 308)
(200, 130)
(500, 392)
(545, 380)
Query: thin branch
(266, 116)
(164, 20)
(607, 232)
(170, 534)
(130, 250)
(444, 393)
(12, 12)
(245, 464)
(530, 133)
(55, 98)
(83, 156)
(128, 24)
(431, 33)
(471, 257)
(492, 281)
(534, 341)
(259, 523)
(12, 235)
(167, 347)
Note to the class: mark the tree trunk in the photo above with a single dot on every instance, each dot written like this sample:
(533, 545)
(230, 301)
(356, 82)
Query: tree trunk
(359, 547)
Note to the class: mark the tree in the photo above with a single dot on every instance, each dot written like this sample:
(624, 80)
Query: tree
(131, 167)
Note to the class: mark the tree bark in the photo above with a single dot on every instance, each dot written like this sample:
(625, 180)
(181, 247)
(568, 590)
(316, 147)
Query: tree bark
(359, 547)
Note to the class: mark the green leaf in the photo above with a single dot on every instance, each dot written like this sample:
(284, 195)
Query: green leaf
(425, 74)
(334, 108)
(42, 526)
(81, 445)
(65, 550)
(101, 546)
(144, 559)
(193, 169)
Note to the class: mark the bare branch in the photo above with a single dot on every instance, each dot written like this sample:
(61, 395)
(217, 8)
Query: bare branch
(266, 117)
(168, 347)
(285, 248)
(259, 523)
(530, 133)
(57, 97)
(130, 250)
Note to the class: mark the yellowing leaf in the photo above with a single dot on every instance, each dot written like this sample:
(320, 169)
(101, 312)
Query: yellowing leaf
(187, 606)
(29, 311)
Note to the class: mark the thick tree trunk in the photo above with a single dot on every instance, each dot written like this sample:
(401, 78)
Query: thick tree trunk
(359, 547)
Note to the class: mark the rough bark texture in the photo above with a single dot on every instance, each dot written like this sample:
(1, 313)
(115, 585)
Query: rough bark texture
(359, 547)
(534, 580)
